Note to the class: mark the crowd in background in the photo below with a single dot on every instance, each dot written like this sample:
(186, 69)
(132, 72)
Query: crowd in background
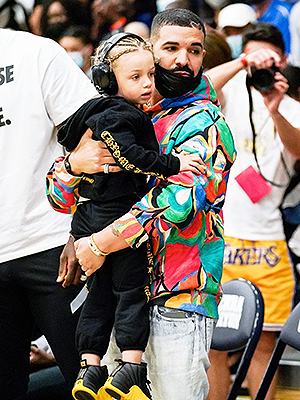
(80, 25)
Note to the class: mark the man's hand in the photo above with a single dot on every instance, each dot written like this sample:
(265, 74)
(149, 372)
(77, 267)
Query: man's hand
(262, 59)
(69, 269)
(39, 358)
(273, 98)
(88, 261)
(90, 156)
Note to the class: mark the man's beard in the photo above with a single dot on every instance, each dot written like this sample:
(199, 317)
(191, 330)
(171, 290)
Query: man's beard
(169, 83)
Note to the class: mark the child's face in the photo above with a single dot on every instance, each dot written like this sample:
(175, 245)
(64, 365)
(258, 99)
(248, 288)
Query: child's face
(135, 76)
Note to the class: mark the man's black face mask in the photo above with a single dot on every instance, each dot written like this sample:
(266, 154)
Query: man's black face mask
(171, 84)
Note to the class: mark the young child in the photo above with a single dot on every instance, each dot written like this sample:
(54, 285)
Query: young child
(118, 291)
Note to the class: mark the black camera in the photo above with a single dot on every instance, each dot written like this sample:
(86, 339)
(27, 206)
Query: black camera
(263, 79)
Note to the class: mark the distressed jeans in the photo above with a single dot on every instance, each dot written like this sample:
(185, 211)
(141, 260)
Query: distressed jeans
(177, 354)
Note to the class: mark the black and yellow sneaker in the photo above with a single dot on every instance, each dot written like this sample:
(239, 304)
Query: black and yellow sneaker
(128, 381)
(89, 383)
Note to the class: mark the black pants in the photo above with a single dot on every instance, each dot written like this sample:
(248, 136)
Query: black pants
(29, 295)
(117, 297)
(118, 290)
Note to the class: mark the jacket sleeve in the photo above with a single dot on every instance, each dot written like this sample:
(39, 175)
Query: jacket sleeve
(62, 188)
(121, 136)
(177, 202)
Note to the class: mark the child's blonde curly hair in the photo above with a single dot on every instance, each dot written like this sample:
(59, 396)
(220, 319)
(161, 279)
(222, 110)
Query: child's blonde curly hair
(126, 45)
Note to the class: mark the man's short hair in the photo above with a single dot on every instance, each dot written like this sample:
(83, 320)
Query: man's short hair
(264, 32)
(176, 17)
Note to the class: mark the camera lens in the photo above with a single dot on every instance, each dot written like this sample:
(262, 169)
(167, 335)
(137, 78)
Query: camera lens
(263, 79)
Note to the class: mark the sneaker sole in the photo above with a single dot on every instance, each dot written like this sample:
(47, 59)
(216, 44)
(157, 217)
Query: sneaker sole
(85, 394)
(103, 395)
(135, 393)
(81, 392)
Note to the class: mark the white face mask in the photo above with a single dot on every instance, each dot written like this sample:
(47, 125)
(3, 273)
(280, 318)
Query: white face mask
(77, 57)
(235, 43)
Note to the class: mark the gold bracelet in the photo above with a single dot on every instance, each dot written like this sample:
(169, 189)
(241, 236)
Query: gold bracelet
(95, 249)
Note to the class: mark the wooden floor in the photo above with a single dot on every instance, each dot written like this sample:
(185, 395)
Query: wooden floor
(282, 394)
(285, 394)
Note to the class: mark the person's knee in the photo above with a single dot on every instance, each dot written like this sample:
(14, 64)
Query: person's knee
(216, 357)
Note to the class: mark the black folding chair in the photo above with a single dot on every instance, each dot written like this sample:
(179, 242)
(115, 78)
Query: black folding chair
(241, 315)
(290, 335)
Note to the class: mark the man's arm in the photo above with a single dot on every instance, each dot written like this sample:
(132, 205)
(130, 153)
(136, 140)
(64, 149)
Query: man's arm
(89, 157)
(62, 187)
(261, 58)
(289, 135)
(174, 202)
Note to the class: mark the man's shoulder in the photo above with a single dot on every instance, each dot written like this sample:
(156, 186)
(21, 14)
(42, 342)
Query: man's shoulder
(24, 39)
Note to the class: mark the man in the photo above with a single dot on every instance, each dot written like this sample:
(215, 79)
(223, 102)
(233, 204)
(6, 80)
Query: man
(40, 88)
(233, 20)
(181, 215)
(266, 127)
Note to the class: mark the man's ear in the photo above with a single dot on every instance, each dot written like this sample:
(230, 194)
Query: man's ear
(284, 61)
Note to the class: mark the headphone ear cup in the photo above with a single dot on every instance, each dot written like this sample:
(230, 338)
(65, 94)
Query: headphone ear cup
(104, 79)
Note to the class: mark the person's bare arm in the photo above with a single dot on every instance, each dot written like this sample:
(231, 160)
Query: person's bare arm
(289, 135)
(261, 58)
(221, 74)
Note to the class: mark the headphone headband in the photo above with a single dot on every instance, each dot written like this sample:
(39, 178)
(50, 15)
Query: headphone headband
(103, 77)
(113, 40)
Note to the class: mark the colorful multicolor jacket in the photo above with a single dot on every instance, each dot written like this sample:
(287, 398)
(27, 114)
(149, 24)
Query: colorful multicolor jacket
(181, 215)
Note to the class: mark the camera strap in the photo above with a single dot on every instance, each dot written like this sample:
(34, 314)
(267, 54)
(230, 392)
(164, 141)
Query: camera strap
(254, 142)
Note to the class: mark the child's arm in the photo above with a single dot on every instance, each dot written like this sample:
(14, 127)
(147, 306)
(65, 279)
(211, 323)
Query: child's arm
(134, 146)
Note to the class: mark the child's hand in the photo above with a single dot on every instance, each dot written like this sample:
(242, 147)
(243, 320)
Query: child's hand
(191, 162)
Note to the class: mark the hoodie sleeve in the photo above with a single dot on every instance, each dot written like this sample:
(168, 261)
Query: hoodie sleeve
(62, 188)
(129, 135)
(184, 198)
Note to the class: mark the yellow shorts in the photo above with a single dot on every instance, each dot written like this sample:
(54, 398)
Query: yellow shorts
(267, 265)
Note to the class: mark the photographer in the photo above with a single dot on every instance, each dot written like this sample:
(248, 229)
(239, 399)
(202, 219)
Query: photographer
(265, 123)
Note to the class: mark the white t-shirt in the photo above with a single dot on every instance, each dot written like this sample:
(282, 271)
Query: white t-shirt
(242, 218)
(40, 87)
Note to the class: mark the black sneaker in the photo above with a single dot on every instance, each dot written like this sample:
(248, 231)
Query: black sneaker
(128, 381)
(89, 383)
